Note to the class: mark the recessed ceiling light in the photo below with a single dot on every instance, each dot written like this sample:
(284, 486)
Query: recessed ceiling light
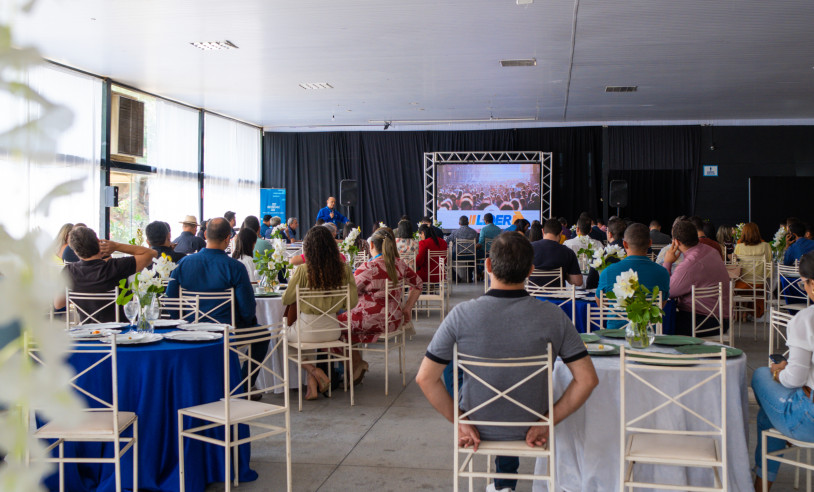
(524, 2)
(315, 85)
(414, 103)
(214, 45)
(527, 62)
(621, 88)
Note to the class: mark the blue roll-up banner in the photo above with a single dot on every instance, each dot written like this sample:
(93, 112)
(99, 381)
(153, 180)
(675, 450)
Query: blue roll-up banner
(272, 202)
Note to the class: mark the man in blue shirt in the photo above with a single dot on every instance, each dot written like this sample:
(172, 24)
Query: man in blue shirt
(636, 241)
(799, 245)
(212, 270)
(489, 231)
(330, 214)
(265, 225)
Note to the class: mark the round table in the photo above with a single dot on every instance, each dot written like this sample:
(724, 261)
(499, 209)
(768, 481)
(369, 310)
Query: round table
(587, 449)
(155, 381)
(270, 310)
(581, 321)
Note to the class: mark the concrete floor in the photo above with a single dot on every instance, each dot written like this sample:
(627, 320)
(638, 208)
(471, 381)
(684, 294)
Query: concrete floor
(397, 442)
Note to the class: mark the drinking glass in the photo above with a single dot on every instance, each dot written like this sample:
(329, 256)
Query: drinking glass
(152, 312)
(131, 311)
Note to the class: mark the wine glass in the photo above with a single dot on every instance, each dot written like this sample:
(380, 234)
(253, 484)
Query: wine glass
(131, 311)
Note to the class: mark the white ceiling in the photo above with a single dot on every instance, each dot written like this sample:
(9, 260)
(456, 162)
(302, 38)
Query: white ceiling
(693, 60)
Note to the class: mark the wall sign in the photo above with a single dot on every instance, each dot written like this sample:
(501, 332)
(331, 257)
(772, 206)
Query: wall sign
(272, 202)
(710, 170)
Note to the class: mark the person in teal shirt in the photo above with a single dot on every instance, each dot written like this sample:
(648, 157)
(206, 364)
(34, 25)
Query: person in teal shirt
(636, 242)
(489, 231)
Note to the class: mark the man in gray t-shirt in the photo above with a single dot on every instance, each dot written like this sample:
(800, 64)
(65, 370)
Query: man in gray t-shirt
(506, 322)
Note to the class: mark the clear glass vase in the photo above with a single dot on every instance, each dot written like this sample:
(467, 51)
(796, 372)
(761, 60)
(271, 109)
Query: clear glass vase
(639, 335)
(268, 283)
(148, 308)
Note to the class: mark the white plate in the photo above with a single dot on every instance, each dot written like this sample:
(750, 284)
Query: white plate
(99, 326)
(136, 338)
(89, 333)
(161, 323)
(204, 327)
(193, 336)
(598, 347)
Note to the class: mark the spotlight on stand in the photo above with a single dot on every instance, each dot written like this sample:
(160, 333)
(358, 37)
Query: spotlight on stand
(387, 125)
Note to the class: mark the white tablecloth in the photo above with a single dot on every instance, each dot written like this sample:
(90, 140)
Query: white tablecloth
(270, 310)
(587, 442)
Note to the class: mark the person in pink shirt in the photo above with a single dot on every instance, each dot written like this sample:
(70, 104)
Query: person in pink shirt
(701, 267)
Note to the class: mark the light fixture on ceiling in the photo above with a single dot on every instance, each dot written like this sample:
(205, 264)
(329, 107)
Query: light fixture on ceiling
(524, 62)
(524, 2)
(214, 45)
(315, 85)
(387, 123)
(621, 88)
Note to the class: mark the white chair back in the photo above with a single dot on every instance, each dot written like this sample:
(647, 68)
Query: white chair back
(714, 312)
(790, 294)
(560, 296)
(179, 307)
(609, 310)
(239, 341)
(546, 278)
(211, 304)
(778, 331)
(89, 307)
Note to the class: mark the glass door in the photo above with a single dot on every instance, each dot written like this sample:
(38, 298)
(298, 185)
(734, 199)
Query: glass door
(128, 220)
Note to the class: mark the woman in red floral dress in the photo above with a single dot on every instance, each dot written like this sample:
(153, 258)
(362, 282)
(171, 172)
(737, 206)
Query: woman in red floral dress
(368, 317)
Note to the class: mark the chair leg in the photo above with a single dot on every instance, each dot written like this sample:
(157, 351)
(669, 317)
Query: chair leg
(288, 449)
(227, 477)
(182, 483)
(134, 450)
(386, 365)
(117, 463)
(61, 467)
(235, 454)
(764, 461)
(299, 379)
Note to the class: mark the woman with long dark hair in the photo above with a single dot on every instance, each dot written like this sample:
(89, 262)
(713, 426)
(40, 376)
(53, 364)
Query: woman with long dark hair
(368, 317)
(428, 241)
(324, 270)
(244, 251)
(405, 242)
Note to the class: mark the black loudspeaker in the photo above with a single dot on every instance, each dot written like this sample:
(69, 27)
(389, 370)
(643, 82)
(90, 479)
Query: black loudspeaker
(348, 192)
(618, 193)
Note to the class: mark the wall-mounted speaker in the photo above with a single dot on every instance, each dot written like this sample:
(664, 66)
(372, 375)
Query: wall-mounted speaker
(348, 192)
(618, 193)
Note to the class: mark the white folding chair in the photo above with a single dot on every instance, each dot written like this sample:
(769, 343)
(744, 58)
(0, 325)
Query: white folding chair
(644, 442)
(745, 298)
(322, 324)
(393, 336)
(714, 293)
(609, 310)
(360, 259)
(89, 307)
(210, 303)
(103, 423)
(464, 257)
(533, 367)
(434, 290)
(560, 296)
(778, 325)
(179, 307)
(793, 446)
(409, 259)
(790, 294)
(236, 407)
(545, 278)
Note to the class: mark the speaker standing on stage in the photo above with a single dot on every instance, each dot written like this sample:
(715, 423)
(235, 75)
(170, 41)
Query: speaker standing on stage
(330, 214)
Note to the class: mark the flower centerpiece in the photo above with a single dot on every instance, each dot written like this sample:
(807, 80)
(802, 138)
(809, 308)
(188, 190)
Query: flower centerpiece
(641, 311)
(586, 250)
(778, 243)
(145, 287)
(574, 230)
(270, 263)
(382, 224)
(348, 245)
(738, 232)
(277, 232)
(601, 257)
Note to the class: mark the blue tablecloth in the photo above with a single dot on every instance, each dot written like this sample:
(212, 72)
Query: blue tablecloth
(155, 381)
(668, 321)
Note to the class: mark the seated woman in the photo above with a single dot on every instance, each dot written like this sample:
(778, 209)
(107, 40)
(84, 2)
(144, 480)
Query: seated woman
(325, 270)
(428, 241)
(368, 317)
(751, 246)
(783, 391)
(404, 239)
(244, 251)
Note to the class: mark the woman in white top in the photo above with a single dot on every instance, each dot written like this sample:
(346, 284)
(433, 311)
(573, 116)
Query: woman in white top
(244, 251)
(783, 390)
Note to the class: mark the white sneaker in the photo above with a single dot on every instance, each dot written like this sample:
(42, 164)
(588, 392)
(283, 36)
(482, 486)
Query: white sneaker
(491, 488)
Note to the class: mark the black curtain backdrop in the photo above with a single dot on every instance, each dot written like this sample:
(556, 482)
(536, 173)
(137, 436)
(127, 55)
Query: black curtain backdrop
(390, 168)
(661, 166)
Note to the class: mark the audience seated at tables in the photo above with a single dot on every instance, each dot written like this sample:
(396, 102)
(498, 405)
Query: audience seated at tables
(211, 270)
(751, 247)
(615, 233)
(583, 240)
(489, 231)
(598, 233)
(698, 222)
(565, 230)
(253, 224)
(507, 323)
(656, 235)
(701, 267)
(201, 231)
(244, 251)
(428, 241)
(158, 237)
(231, 217)
(798, 245)
(368, 317)
(521, 226)
(783, 390)
(290, 232)
(428, 221)
(405, 243)
(462, 232)
(325, 270)
(550, 254)
(636, 243)
(724, 237)
(513, 226)
(61, 241)
(273, 222)
(535, 232)
(265, 225)
(95, 273)
(188, 242)
(660, 257)
(68, 255)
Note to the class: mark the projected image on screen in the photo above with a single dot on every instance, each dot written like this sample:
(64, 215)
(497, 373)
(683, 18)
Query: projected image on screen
(507, 191)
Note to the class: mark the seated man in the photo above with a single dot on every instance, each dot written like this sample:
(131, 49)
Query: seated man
(463, 232)
(798, 243)
(701, 267)
(583, 239)
(188, 242)
(93, 274)
(489, 231)
(616, 231)
(265, 225)
(636, 242)
(698, 222)
(212, 270)
(550, 254)
(506, 322)
(158, 237)
(656, 236)
(597, 232)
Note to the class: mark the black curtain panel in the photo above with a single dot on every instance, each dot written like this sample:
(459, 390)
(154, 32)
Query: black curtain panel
(661, 166)
(389, 167)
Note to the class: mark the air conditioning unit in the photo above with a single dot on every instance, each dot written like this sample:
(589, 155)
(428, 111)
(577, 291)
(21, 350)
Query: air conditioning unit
(127, 132)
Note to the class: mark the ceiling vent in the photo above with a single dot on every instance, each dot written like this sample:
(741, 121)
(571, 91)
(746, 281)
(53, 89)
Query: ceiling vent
(214, 45)
(315, 85)
(530, 62)
(621, 88)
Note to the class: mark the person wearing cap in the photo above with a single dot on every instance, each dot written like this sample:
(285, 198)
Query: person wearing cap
(188, 242)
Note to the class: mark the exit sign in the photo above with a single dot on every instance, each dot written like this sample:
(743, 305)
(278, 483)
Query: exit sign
(710, 170)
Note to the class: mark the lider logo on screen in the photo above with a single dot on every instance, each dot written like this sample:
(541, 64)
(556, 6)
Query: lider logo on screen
(501, 219)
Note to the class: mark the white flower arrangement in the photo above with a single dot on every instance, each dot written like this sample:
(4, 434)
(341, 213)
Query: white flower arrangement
(637, 300)
(600, 257)
(738, 232)
(574, 229)
(382, 224)
(146, 283)
(272, 261)
(586, 246)
(277, 231)
(348, 245)
(778, 243)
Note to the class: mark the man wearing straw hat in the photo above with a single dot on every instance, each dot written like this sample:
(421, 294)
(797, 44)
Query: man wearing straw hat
(188, 242)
